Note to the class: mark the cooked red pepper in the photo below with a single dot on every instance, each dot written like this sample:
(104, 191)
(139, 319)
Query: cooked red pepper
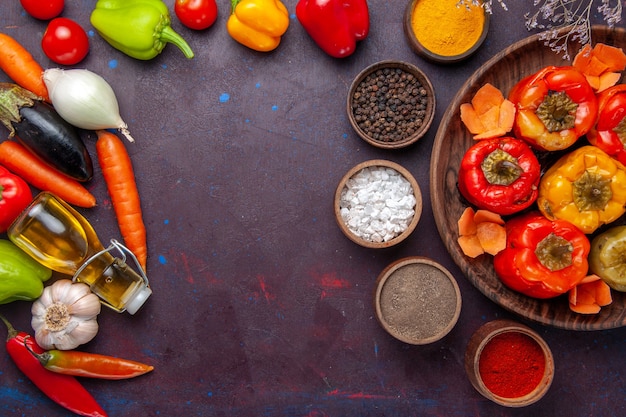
(609, 133)
(500, 175)
(543, 258)
(335, 25)
(90, 365)
(65, 390)
(555, 107)
(15, 195)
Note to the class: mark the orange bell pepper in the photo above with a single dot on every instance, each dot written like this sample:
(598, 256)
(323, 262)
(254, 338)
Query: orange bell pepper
(258, 24)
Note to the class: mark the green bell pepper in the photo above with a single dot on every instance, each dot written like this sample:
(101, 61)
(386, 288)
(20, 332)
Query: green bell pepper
(607, 258)
(21, 277)
(138, 28)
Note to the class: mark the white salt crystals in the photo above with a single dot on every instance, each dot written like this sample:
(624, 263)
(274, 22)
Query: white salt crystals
(377, 203)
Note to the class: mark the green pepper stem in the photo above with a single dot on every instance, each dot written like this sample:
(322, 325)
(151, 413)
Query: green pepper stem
(169, 35)
(10, 328)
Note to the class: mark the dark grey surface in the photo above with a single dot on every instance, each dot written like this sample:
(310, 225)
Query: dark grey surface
(261, 307)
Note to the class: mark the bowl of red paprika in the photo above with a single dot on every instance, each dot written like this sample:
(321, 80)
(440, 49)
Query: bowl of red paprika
(445, 31)
(509, 363)
(391, 104)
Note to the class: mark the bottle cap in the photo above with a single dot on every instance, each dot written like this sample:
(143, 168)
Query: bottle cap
(137, 300)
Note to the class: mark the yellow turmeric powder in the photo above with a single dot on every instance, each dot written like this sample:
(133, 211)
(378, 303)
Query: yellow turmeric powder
(446, 28)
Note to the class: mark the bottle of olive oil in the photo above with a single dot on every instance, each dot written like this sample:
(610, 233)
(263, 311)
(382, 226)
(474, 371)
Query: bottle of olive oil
(57, 236)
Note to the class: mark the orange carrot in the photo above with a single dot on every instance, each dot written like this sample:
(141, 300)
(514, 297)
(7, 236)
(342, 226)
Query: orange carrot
(19, 160)
(590, 295)
(481, 231)
(118, 174)
(489, 114)
(21, 67)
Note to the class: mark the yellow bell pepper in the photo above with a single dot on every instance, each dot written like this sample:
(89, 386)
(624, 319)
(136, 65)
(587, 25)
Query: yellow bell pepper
(258, 24)
(585, 187)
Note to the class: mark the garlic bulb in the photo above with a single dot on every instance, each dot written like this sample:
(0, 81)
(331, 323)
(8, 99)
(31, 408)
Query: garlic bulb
(64, 317)
(84, 99)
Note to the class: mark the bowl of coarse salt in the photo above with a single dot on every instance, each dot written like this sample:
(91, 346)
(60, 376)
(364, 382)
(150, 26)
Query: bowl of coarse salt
(378, 203)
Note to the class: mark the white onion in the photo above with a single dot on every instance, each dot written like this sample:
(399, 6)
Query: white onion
(84, 99)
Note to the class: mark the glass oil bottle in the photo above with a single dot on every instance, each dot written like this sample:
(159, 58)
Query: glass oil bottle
(57, 236)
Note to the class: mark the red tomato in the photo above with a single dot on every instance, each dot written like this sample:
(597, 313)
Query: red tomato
(196, 14)
(43, 9)
(65, 41)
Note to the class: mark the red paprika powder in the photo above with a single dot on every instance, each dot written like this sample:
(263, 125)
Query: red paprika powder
(512, 364)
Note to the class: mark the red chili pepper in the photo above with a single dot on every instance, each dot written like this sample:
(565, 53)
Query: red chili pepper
(335, 25)
(15, 195)
(555, 107)
(65, 390)
(543, 258)
(609, 133)
(500, 175)
(90, 365)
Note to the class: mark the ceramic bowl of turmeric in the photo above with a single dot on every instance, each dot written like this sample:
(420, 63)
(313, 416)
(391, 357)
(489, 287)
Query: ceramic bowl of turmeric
(509, 363)
(445, 31)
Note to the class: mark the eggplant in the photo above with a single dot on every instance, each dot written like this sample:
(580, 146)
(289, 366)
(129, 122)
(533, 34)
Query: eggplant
(38, 127)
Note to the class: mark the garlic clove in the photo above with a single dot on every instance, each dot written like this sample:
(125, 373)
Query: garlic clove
(87, 306)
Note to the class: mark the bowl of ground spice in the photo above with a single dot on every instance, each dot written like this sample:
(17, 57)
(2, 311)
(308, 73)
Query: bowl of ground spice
(378, 203)
(391, 104)
(417, 300)
(509, 363)
(445, 31)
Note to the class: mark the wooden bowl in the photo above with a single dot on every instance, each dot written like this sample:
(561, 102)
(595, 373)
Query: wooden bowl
(399, 237)
(452, 140)
(424, 52)
(387, 140)
(476, 347)
(417, 300)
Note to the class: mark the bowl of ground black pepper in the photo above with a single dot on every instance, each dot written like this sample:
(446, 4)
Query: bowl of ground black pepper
(509, 363)
(445, 31)
(417, 300)
(391, 104)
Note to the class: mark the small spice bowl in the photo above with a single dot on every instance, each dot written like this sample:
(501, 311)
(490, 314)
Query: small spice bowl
(417, 300)
(378, 203)
(391, 104)
(509, 363)
(443, 33)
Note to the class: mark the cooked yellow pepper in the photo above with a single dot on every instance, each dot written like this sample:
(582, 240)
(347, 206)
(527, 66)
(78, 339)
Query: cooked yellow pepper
(585, 187)
(258, 24)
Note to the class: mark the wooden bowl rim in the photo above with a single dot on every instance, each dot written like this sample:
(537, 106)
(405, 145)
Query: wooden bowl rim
(424, 52)
(430, 107)
(482, 337)
(416, 192)
(388, 272)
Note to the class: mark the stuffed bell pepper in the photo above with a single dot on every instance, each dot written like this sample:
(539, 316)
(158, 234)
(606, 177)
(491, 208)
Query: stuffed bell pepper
(500, 175)
(586, 187)
(609, 132)
(543, 258)
(555, 107)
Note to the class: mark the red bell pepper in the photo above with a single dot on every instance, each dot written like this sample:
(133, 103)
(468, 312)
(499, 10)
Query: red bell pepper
(335, 25)
(65, 390)
(500, 175)
(555, 107)
(15, 196)
(543, 258)
(609, 133)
